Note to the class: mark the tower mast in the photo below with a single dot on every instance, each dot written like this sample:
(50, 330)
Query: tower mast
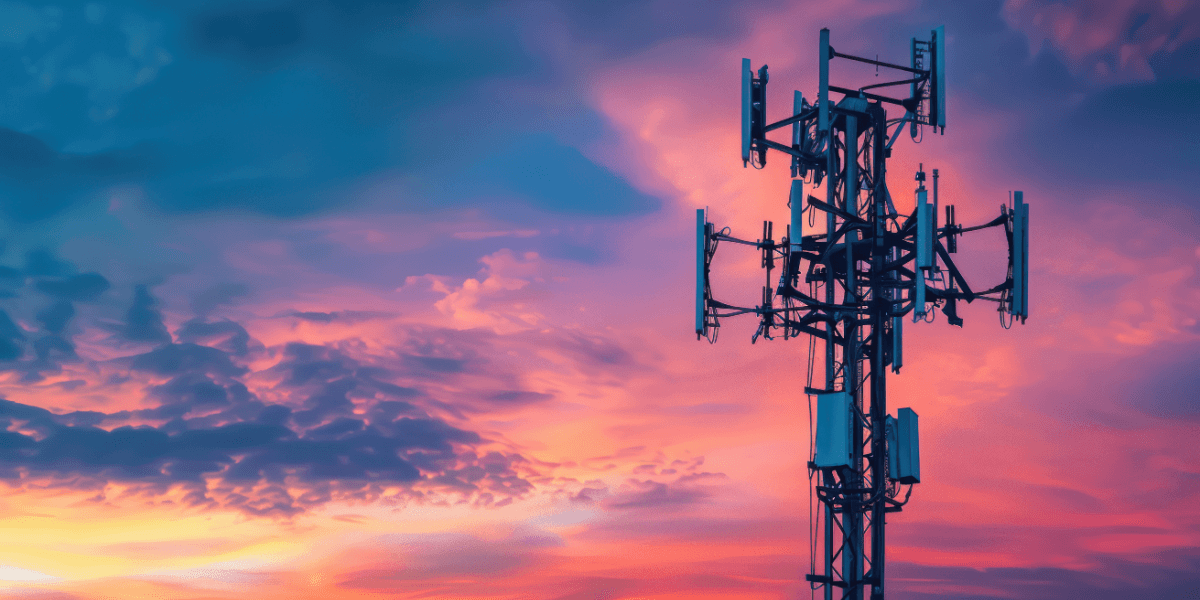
(876, 268)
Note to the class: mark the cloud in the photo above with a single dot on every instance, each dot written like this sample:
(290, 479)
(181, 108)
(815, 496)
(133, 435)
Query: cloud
(85, 287)
(249, 32)
(483, 235)
(1147, 576)
(344, 316)
(435, 557)
(143, 323)
(1159, 145)
(435, 364)
(11, 338)
(229, 463)
(655, 495)
(518, 397)
(174, 359)
(221, 294)
(1110, 42)
(218, 420)
(224, 335)
(41, 262)
(56, 316)
(196, 391)
(557, 178)
(39, 182)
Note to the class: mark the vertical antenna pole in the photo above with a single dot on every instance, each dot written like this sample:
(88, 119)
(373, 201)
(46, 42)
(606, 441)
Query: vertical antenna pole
(746, 83)
(831, 177)
(912, 93)
(939, 72)
(796, 232)
(878, 372)
(852, 524)
(797, 133)
(935, 202)
(1025, 260)
(701, 251)
(823, 88)
(830, 347)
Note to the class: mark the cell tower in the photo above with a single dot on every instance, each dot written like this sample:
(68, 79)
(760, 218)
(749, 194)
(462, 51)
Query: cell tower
(853, 284)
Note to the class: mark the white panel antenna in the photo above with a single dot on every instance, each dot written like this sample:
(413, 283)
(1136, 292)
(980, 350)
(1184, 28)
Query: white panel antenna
(897, 344)
(919, 296)
(747, 74)
(908, 465)
(1020, 267)
(939, 76)
(1025, 261)
(924, 230)
(796, 232)
(833, 430)
(893, 447)
(797, 108)
(823, 85)
(798, 169)
(701, 271)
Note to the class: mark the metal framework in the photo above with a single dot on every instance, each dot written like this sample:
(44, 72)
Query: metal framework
(852, 285)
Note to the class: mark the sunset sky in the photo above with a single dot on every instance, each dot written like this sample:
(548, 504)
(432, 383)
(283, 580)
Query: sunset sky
(340, 299)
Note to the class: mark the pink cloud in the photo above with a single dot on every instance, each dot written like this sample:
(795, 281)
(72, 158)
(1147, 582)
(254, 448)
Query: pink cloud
(1108, 42)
